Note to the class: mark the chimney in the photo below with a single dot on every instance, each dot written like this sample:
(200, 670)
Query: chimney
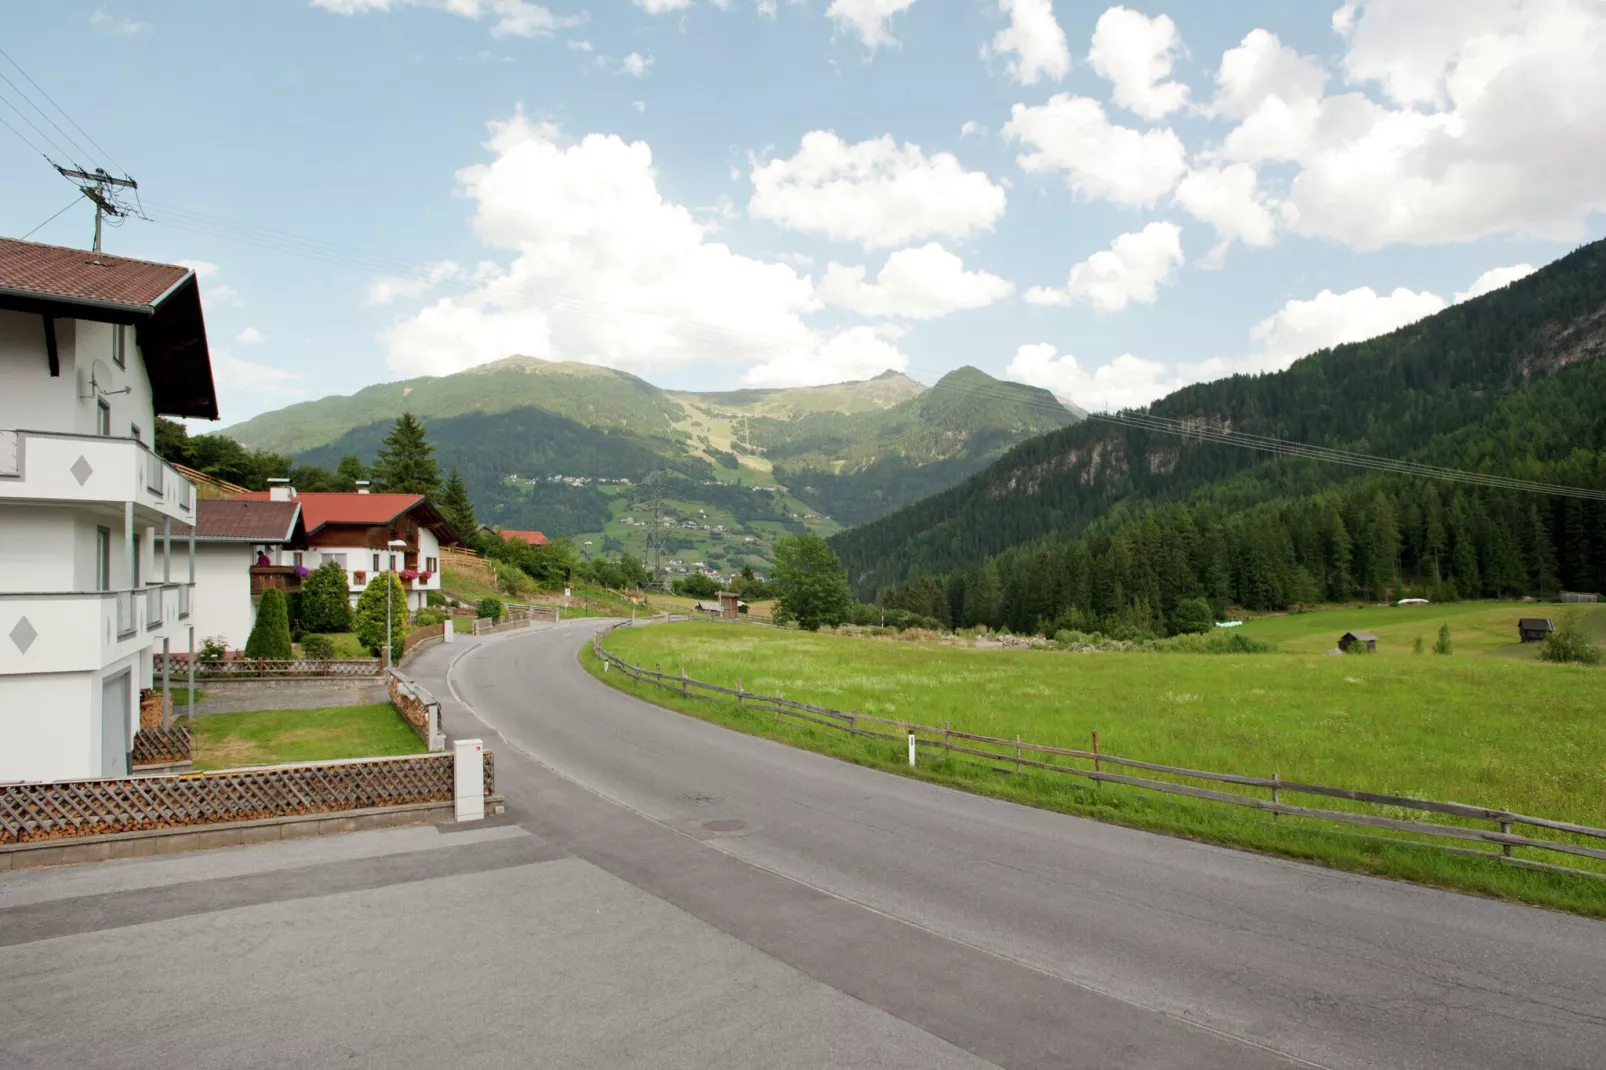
(280, 490)
(362, 486)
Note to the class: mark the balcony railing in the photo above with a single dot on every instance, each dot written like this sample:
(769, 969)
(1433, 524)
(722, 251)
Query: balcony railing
(284, 578)
(154, 471)
(153, 608)
(55, 466)
(10, 453)
(127, 623)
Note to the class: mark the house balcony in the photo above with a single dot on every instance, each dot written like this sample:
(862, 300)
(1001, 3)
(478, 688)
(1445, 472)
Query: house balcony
(283, 578)
(84, 631)
(44, 466)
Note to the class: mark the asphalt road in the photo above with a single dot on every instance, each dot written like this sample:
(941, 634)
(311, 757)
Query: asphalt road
(1028, 937)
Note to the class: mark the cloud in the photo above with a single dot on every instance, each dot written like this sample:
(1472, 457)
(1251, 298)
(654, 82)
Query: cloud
(120, 27)
(204, 269)
(236, 374)
(867, 18)
(635, 64)
(1135, 54)
(1330, 319)
(1035, 39)
(1130, 270)
(508, 18)
(873, 193)
(1229, 198)
(604, 270)
(1101, 161)
(250, 336)
(1495, 279)
(922, 283)
(662, 7)
(217, 295)
(578, 45)
(856, 353)
(971, 128)
(1125, 382)
(1459, 121)
(639, 105)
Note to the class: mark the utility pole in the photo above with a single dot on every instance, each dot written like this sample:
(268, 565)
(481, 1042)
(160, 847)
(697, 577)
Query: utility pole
(93, 184)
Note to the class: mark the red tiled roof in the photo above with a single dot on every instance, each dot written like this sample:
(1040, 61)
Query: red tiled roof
(333, 507)
(533, 538)
(56, 271)
(245, 520)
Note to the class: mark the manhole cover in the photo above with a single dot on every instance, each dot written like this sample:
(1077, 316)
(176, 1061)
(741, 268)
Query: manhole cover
(725, 825)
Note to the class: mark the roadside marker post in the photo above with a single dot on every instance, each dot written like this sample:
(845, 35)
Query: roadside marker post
(911, 750)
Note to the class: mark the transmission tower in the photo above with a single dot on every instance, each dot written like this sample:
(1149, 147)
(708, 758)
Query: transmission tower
(100, 188)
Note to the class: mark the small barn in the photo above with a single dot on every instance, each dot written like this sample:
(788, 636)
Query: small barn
(1535, 629)
(729, 605)
(1349, 639)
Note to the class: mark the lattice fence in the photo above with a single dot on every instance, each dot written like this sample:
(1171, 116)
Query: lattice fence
(232, 667)
(90, 807)
(161, 746)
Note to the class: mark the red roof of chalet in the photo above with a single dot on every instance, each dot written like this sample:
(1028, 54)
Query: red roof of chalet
(58, 271)
(532, 538)
(319, 508)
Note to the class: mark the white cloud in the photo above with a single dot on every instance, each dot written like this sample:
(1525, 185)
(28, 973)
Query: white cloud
(1229, 198)
(250, 336)
(204, 269)
(971, 128)
(1130, 270)
(921, 283)
(1485, 119)
(856, 353)
(867, 18)
(639, 105)
(662, 7)
(393, 287)
(1125, 382)
(1036, 40)
(635, 64)
(1495, 279)
(215, 294)
(236, 374)
(1135, 54)
(874, 193)
(577, 45)
(604, 270)
(1100, 159)
(508, 18)
(1330, 319)
(119, 26)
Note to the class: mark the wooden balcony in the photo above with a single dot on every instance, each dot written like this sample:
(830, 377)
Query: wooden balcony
(280, 577)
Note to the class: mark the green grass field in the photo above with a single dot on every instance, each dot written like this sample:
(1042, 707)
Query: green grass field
(1487, 628)
(1484, 730)
(268, 737)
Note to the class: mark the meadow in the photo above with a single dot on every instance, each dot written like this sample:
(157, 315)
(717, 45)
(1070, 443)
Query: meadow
(1476, 628)
(1472, 728)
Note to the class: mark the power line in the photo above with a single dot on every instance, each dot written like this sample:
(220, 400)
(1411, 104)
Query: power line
(24, 138)
(63, 112)
(45, 115)
(48, 140)
(47, 222)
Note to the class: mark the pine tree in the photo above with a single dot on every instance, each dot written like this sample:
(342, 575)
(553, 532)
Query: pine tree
(458, 509)
(270, 635)
(350, 472)
(405, 464)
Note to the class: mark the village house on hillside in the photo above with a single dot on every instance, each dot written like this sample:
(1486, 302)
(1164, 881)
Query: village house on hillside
(231, 538)
(93, 347)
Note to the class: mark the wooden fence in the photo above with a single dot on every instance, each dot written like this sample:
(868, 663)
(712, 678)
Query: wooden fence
(1016, 755)
(71, 808)
(263, 667)
(160, 746)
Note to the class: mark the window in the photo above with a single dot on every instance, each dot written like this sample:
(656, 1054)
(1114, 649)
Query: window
(118, 342)
(103, 419)
(359, 578)
(297, 560)
(339, 559)
(103, 559)
(136, 561)
(376, 562)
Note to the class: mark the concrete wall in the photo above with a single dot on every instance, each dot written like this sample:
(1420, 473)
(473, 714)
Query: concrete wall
(32, 400)
(50, 722)
(222, 604)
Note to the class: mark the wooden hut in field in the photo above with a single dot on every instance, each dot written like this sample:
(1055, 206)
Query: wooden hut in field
(1535, 629)
(1349, 639)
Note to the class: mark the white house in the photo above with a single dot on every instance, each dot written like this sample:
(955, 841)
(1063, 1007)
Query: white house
(232, 535)
(92, 348)
(368, 534)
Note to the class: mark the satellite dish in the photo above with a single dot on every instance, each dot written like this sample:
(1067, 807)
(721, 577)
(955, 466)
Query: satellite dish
(100, 377)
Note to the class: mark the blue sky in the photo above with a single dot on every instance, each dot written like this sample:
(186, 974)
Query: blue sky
(1107, 201)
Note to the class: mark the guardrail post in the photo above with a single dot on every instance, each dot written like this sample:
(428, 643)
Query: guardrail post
(738, 691)
(468, 779)
(683, 689)
(1017, 754)
(947, 744)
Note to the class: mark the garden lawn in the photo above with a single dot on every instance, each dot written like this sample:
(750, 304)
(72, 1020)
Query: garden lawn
(346, 646)
(1490, 731)
(270, 737)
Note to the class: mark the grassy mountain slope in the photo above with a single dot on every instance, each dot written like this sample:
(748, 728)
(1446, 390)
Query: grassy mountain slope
(1438, 390)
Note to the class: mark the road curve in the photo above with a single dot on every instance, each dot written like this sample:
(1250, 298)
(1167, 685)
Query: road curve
(1331, 968)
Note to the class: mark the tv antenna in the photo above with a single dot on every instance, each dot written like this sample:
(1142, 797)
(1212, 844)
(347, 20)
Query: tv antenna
(99, 187)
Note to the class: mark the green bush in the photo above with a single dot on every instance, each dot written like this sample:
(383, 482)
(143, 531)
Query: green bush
(1443, 644)
(326, 600)
(1192, 616)
(318, 647)
(424, 618)
(1570, 644)
(1417, 647)
(489, 609)
(369, 622)
(434, 598)
(270, 635)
